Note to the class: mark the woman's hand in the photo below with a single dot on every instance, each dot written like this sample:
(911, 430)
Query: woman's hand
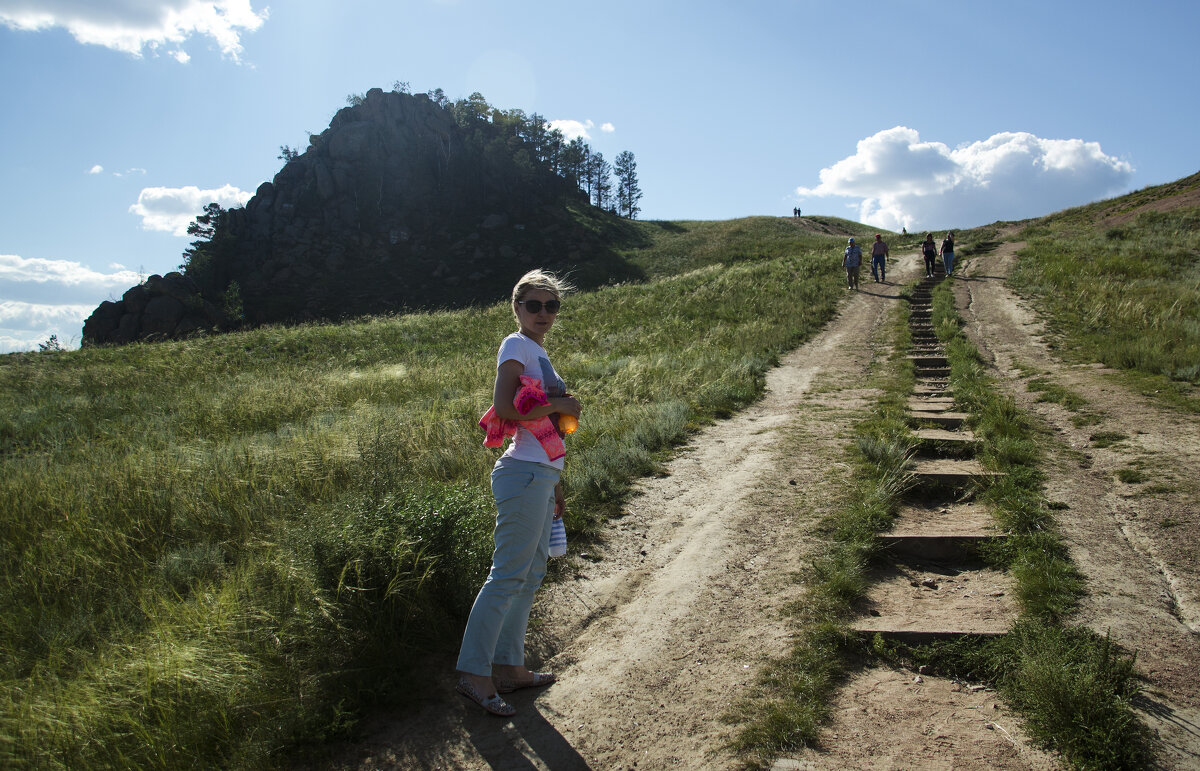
(567, 405)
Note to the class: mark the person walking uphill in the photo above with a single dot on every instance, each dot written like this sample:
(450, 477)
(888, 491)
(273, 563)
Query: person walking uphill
(879, 253)
(948, 253)
(929, 252)
(527, 395)
(851, 260)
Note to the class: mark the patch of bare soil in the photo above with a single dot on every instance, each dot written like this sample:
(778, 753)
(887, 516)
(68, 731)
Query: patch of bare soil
(1137, 542)
(1183, 199)
(668, 620)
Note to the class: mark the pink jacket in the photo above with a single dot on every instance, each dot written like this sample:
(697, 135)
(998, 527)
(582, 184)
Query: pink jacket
(528, 396)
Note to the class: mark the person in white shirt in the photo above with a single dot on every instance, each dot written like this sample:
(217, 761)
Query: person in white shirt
(529, 497)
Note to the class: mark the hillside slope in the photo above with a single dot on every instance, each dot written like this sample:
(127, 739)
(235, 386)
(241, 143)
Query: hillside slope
(403, 202)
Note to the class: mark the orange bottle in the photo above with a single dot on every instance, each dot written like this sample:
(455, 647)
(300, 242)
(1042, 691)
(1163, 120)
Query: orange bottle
(567, 423)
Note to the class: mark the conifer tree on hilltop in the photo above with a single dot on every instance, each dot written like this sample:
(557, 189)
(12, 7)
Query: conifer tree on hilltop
(600, 178)
(628, 191)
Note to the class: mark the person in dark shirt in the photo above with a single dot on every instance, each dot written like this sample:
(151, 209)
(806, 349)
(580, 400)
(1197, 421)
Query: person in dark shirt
(948, 253)
(879, 253)
(929, 252)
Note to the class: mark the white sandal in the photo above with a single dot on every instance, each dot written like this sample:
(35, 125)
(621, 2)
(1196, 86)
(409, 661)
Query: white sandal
(504, 685)
(493, 704)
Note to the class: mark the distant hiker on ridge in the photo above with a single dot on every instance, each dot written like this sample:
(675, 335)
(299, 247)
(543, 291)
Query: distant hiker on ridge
(851, 260)
(879, 253)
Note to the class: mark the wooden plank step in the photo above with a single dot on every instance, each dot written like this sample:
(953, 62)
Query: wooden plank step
(933, 372)
(945, 471)
(926, 360)
(931, 405)
(955, 519)
(945, 534)
(922, 602)
(932, 399)
(930, 435)
(944, 419)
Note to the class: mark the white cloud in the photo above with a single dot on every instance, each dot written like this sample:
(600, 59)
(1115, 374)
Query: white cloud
(134, 26)
(172, 209)
(573, 129)
(130, 172)
(905, 182)
(96, 169)
(608, 128)
(15, 314)
(181, 56)
(58, 281)
(51, 297)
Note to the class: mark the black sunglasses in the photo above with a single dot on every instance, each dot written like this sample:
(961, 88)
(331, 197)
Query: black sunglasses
(535, 306)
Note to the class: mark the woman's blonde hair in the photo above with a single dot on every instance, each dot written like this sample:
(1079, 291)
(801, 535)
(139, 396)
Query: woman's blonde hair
(540, 279)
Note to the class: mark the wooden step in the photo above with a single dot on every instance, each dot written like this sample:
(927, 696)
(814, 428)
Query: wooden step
(955, 472)
(932, 435)
(932, 387)
(943, 419)
(923, 601)
(933, 372)
(950, 520)
(933, 404)
(926, 360)
(944, 534)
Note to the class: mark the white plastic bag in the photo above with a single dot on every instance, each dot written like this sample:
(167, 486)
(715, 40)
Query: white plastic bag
(558, 538)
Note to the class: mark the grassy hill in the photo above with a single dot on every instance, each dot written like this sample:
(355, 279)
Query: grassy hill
(1119, 281)
(220, 548)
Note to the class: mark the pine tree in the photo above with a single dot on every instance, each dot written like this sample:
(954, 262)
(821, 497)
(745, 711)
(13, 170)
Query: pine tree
(628, 192)
(599, 172)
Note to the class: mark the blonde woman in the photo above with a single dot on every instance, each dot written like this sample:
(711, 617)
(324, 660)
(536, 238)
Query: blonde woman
(525, 484)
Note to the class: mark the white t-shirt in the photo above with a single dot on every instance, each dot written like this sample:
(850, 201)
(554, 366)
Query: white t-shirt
(536, 361)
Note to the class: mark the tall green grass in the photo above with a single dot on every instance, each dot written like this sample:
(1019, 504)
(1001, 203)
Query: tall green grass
(1125, 294)
(217, 549)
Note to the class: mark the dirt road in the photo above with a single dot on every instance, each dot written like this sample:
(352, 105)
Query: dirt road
(668, 620)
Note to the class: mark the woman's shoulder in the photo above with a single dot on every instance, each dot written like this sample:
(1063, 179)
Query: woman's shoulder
(518, 344)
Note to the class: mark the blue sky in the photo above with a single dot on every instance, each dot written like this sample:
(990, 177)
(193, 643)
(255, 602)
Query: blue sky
(121, 118)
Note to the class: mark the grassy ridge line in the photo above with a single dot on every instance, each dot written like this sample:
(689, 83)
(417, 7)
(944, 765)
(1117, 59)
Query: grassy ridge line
(215, 548)
(1120, 283)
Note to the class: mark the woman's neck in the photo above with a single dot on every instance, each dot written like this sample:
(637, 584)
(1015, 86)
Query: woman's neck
(533, 336)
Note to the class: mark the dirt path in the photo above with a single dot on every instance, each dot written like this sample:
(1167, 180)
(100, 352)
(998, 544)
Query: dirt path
(1138, 544)
(667, 621)
(671, 617)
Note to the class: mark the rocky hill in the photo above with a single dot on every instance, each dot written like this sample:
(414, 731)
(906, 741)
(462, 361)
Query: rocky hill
(404, 202)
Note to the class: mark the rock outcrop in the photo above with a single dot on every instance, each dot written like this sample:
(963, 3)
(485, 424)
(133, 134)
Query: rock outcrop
(163, 307)
(402, 203)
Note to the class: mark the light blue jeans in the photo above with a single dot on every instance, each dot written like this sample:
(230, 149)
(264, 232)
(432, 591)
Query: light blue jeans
(948, 258)
(495, 632)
